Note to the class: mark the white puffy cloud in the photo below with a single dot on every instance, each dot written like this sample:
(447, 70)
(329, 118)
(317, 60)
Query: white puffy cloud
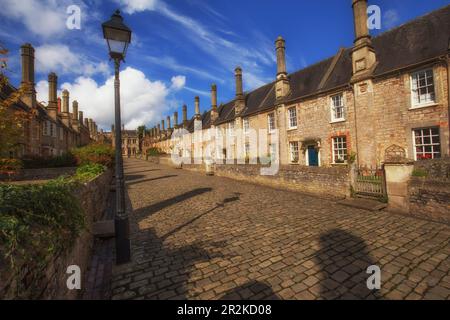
(60, 59)
(132, 6)
(45, 18)
(178, 82)
(142, 101)
(390, 18)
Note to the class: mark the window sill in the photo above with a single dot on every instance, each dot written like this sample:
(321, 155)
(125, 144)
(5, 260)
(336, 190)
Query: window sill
(337, 120)
(425, 105)
(339, 164)
(292, 128)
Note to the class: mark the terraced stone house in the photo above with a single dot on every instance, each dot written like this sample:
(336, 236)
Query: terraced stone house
(52, 129)
(390, 90)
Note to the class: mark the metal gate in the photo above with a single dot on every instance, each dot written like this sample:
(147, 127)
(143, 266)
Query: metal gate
(370, 182)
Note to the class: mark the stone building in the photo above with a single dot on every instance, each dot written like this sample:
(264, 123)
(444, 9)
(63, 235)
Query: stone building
(389, 90)
(130, 141)
(52, 129)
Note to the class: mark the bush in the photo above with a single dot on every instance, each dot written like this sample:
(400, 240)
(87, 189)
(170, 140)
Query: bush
(89, 171)
(94, 153)
(10, 165)
(36, 162)
(37, 222)
(153, 152)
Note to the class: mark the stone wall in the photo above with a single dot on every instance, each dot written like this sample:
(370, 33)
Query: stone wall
(331, 182)
(429, 196)
(39, 174)
(93, 198)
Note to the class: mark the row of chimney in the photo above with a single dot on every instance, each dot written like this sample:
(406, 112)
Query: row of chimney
(55, 108)
(363, 63)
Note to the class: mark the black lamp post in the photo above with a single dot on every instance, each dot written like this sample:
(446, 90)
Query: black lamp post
(118, 37)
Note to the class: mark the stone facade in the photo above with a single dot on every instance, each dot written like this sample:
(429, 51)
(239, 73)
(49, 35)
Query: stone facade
(130, 141)
(353, 105)
(52, 129)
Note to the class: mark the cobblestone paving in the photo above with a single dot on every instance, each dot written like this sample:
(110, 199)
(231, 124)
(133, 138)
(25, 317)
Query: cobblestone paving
(201, 237)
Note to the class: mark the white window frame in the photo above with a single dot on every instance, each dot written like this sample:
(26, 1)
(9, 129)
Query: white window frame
(333, 146)
(271, 122)
(334, 107)
(431, 144)
(292, 158)
(246, 125)
(290, 117)
(414, 91)
(231, 129)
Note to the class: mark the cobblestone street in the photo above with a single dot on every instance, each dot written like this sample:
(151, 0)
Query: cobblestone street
(201, 237)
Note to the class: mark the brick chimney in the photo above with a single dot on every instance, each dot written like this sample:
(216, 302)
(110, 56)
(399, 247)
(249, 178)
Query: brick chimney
(163, 127)
(168, 123)
(86, 123)
(185, 116)
(175, 119)
(65, 108)
(197, 108)
(75, 123)
(80, 118)
(282, 86)
(52, 107)
(239, 103)
(363, 54)
(27, 84)
(214, 112)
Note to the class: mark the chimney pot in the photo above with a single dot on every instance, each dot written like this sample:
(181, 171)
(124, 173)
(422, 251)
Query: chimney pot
(175, 119)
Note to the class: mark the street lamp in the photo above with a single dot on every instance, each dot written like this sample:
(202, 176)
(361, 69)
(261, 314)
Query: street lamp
(118, 37)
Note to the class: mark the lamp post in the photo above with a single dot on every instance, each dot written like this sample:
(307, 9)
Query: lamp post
(118, 37)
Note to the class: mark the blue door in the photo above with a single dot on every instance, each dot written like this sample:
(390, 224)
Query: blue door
(313, 156)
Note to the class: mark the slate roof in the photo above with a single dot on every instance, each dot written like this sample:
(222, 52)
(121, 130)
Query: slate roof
(422, 39)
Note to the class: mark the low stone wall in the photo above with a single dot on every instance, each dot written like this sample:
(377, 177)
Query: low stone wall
(429, 195)
(39, 174)
(331, 182)
(93, 198)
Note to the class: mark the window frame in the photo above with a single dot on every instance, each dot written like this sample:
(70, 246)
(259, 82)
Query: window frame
(333, 108)
(415, 104)
(270, 119)
(290, 127)
(431, 144)
(246, 125)
(291, 158)
(333, 149)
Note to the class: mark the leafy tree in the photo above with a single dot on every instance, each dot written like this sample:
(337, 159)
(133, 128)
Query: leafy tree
(11, 119)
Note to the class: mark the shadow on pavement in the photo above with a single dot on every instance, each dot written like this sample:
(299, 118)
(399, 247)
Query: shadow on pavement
(147, 180)
(343, 259)
(252, 290)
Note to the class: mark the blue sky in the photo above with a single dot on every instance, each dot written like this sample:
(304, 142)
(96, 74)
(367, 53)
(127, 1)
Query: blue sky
(180, 47)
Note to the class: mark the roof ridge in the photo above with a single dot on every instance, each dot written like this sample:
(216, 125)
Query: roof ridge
(406, 23)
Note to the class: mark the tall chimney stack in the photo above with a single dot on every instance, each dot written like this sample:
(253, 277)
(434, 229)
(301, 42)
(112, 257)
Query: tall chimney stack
(80, 117)
(239, 102)
(214, 113)
(163, 127)
(65, 108)
(197, 108)
(363, 53)
(175, 119)
(168, 123)
(52, 107)
(75, 123)
(29, 96)
(86, 123)
(282, 86)
(184, 116)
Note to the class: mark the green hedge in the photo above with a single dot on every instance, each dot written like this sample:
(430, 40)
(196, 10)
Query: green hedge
(36, 223)
(36, 162)
(39, 221)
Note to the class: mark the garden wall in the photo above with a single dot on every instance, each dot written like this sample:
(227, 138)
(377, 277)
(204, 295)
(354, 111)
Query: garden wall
(331, 182)
(429, 190)
(93, 199)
